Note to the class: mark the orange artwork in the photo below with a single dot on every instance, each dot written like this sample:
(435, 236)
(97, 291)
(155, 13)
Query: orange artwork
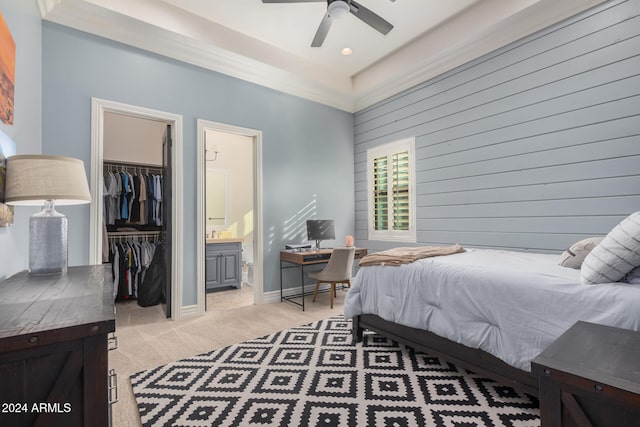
(7, 72)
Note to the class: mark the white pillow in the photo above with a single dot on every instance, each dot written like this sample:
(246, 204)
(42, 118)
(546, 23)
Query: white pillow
(616, 255)
(633, 276)
(574, 256)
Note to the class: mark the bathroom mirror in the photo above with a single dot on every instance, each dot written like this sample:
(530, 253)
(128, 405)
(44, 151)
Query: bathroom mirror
(216, 194)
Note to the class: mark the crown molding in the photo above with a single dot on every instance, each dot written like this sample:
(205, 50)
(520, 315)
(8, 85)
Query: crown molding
(287, 73)
(379, 82)
(46, 6)
(196, 41)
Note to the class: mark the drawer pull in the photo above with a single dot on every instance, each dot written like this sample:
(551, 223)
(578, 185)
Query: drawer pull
(598, 387)
(113, 386)
(33, 340)
(112, 342)
(547, 371)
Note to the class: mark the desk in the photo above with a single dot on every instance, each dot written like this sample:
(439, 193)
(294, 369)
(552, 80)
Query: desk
(297, 259)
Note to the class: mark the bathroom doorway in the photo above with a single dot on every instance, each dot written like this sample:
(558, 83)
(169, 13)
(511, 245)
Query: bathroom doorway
(229, 211)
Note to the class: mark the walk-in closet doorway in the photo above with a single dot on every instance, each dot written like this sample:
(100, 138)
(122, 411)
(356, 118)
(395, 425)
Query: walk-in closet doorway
(244, 223)
(164, 162)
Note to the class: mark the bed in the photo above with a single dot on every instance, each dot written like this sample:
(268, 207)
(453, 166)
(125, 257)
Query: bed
(489, 311)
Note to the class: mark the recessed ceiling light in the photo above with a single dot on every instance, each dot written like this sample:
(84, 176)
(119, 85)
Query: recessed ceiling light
(346, 51)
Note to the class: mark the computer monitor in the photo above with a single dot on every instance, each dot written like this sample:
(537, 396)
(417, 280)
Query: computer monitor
(320, 229)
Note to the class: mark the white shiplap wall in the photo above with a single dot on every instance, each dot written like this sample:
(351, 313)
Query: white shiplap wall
(531, 147)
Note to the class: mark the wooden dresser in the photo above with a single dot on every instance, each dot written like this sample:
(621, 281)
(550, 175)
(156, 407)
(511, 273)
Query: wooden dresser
(590, 376)
(54, 334)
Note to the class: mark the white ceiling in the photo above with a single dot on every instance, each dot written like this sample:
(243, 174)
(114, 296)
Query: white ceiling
(291, 27)
(269, 44)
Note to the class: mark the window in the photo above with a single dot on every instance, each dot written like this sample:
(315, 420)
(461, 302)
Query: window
(391, 189)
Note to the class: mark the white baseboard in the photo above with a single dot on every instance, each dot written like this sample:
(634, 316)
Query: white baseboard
(271, 297)
(189, 311)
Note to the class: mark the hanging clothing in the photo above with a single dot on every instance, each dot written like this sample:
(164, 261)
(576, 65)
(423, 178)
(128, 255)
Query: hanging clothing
(134, 204)
(111, 195)
(143, 200)
(152, 289)
(130, 262)
(126, 193)
(132, 198)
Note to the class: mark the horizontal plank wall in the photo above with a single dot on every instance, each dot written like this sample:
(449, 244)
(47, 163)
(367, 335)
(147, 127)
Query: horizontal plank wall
(531, 147)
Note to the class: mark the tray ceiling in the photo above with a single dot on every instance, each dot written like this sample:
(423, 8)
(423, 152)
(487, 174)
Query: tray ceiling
(269, 44)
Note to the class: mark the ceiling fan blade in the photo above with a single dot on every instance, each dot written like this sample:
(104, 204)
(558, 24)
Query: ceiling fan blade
(293, 1)
(323, 29)
(370, 18)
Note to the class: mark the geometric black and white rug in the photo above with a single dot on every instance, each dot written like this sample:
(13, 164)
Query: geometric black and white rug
(313, 375)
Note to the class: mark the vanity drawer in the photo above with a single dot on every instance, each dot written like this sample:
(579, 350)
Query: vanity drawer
(216, 248)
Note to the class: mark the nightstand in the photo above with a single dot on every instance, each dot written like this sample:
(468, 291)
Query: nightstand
(590, 376)
(54, 342)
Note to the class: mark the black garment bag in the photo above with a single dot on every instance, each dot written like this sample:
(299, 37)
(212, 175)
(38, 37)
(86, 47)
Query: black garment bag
(152, 290)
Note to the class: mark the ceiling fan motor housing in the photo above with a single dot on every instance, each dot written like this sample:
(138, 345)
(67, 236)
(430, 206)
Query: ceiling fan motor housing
(338, 8)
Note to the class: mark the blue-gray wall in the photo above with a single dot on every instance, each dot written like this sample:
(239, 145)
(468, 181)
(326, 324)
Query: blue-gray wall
(307, 147)
(531, 147)
(23, 20)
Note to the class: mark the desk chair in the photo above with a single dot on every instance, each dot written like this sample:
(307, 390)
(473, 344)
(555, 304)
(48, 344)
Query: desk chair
(338, 270)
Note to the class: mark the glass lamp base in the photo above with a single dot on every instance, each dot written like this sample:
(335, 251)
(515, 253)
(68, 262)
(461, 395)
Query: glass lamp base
(48, 241)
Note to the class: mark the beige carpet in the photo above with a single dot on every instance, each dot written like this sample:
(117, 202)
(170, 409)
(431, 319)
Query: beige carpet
(147, 340)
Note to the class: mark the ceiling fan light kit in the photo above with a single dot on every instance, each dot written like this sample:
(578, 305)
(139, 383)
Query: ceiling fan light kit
(339, 8)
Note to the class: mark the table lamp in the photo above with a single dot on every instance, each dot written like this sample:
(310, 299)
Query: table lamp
(46, 180)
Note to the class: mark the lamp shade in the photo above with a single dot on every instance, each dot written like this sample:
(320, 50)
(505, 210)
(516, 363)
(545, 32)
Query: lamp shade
(32, 179)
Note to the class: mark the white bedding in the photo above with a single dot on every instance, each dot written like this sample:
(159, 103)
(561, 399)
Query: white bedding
(510, 304)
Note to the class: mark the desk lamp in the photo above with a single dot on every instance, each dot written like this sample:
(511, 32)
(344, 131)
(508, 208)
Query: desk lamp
(46, 180)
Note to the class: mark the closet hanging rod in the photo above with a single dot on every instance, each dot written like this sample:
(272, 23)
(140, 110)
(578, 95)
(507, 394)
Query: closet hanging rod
(137, 237)
(131, 164)
(132, 169)
(132, 233)
(134, 238)
(110, 165)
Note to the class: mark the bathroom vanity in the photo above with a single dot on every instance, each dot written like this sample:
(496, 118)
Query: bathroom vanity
(223, 263)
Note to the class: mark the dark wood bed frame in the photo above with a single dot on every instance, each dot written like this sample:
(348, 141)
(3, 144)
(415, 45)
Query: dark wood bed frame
(477, 361)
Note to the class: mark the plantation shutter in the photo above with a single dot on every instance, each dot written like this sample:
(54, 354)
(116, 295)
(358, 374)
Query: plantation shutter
(391, 199)
(380, 196)
(391, 192)
(400, 190)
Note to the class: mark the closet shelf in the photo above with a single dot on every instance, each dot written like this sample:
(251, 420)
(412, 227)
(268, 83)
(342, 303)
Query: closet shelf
(133, 235)
(116, 164)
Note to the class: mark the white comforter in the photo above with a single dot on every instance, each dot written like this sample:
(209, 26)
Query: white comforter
(510, 304)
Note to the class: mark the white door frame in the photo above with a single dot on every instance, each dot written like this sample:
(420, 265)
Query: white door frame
(256, 135)
(98, 109)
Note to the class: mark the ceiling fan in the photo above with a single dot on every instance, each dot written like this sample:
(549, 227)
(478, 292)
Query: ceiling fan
(337, 9)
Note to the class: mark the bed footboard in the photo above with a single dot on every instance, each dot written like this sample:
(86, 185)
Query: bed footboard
(475, 360)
